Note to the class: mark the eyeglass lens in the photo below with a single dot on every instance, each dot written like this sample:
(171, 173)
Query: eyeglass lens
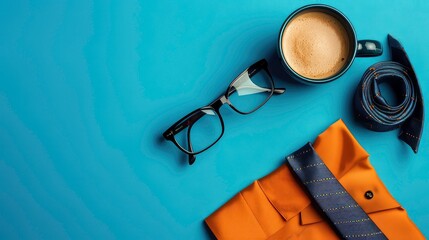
(203, 128)
(249, 93)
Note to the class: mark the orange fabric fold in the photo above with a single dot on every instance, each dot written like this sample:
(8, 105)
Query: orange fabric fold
(276, 206)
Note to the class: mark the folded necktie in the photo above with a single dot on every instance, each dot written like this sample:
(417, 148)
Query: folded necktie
(373, 109)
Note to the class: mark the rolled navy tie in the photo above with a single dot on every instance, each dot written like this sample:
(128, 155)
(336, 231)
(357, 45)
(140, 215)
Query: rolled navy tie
(372, 109)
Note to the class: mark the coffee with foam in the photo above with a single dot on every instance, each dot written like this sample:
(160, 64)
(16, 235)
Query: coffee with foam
(315, 45)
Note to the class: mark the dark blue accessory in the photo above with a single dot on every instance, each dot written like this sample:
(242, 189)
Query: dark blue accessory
(376, 113)
(342, 211)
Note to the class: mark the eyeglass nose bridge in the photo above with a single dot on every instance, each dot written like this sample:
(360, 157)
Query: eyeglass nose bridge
(219, 102)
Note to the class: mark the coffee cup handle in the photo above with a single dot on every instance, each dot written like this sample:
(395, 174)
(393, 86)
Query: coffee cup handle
(368, 48)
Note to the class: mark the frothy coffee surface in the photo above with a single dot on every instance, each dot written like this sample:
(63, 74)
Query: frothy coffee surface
(315, 45)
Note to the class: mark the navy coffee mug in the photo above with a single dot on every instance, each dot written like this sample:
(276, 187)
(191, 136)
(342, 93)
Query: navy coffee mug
(362, 48)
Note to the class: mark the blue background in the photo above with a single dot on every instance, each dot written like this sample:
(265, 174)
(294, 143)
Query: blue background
(87, 88)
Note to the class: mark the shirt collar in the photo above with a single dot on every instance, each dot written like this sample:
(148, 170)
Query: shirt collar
(340, 151)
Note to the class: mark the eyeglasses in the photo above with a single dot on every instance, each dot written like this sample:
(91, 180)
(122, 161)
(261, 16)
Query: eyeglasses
(202, 128)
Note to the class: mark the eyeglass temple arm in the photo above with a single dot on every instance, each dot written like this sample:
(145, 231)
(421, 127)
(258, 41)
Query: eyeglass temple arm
(183, 125)
(279, 90)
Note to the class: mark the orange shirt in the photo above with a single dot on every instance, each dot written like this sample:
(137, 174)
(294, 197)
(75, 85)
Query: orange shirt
(276, 206)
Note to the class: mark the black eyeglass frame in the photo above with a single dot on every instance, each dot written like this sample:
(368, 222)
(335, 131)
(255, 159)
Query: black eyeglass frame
(215, 106)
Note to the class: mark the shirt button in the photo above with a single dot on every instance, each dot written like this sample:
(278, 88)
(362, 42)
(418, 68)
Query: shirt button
(369, 195)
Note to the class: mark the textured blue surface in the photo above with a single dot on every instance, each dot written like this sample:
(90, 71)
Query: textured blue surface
(87, 88)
